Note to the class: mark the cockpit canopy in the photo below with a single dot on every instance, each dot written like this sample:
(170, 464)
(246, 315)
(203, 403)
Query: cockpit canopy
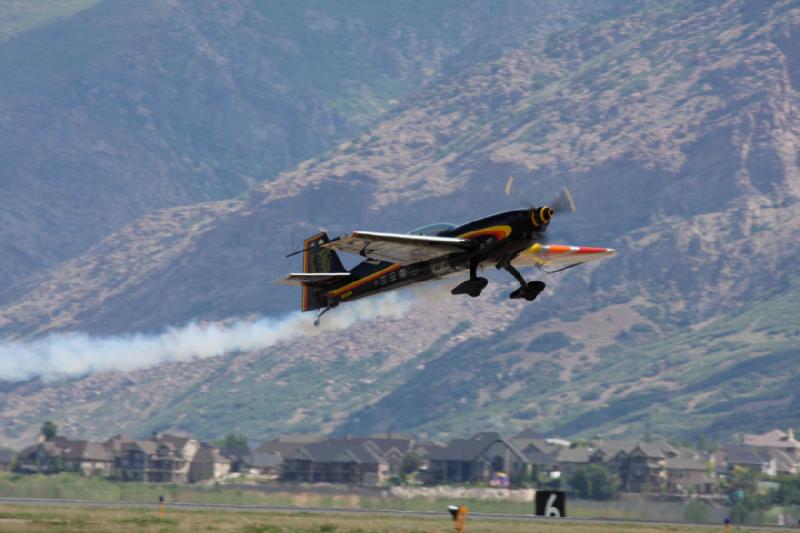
(432, 229)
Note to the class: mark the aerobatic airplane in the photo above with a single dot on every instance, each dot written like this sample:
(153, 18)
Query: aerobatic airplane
(506, 240)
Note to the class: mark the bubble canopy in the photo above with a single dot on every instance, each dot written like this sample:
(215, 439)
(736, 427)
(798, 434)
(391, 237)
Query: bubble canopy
(432, 229)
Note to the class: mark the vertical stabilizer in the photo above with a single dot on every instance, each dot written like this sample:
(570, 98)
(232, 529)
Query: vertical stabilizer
(318, 260)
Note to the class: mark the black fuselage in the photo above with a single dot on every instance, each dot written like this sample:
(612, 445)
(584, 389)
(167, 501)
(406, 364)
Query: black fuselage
(498, 238)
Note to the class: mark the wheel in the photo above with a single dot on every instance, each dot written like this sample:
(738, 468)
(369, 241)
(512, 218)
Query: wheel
(473, 287)
(533, 290)
(529, 292)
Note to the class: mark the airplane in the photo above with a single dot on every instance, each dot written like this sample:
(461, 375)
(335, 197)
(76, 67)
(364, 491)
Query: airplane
(507, 240)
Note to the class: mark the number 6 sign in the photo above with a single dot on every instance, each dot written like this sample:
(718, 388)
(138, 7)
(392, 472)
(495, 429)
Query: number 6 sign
(551, 503)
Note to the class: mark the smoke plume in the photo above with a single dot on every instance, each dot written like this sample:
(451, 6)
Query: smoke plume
(64, 355)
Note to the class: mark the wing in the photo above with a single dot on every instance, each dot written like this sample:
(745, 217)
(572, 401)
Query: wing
(540, 255)
(398, 247)
(308, 278)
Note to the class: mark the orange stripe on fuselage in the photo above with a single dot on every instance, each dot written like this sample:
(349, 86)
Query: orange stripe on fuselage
(366, 279)
(499, 232)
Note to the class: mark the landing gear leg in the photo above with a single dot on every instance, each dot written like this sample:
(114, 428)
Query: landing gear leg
(319, 315)
(527, 290)
(474, 285)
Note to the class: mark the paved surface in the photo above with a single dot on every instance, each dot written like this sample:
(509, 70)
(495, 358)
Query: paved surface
(341, 510)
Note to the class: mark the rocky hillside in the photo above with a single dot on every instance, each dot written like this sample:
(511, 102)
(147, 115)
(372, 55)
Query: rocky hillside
(125, 108)
(675, 124)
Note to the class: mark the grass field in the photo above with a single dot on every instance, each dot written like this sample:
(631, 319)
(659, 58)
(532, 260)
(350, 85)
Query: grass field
(16, 518)
(74, 486)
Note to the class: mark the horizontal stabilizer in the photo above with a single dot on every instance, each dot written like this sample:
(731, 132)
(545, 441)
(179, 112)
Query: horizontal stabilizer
(312, 278)
(560, 254)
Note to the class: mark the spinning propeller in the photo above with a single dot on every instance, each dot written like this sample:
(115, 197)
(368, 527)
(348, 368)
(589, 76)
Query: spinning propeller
(562, 203)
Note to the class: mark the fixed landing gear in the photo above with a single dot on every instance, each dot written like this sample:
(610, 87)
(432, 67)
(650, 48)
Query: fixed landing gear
(530, 291)
(319, 315)
(527, 290)
(474, 285)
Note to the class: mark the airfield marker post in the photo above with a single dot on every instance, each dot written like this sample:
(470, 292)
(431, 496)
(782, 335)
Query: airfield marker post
(459, 513)
(726, 527)
(161, 508)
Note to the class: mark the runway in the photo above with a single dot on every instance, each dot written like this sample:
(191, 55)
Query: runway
(34, 502)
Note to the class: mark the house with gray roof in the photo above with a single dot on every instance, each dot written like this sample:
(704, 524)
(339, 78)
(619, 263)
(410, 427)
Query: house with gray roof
(741, 456)
(266, 463)
(350, 461)
(160, 459)
(568, 460)
(62, 454)
(391, 447)
(208, 463)
(684, 475)
(776, 439)
(476, 460)
(644, 468)
(285, 445)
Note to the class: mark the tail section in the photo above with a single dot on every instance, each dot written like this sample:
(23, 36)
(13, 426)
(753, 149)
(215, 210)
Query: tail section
(318, 260)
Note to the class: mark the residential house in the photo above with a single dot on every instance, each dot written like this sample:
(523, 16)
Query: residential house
(89, 458)
(266, 463)
(160, 459)
(535, 445)
(646, 465)
(568, 460)
(132, 460)
(685, 475)
(285, 445)
(61, 454)
(784, 462)
(336, 461)
(391, 446)
(240, 457)
(606, 451)
(40, 458)
(644, 468)
(477, 459)
(208, 463)
(747, 457)
(541, 462)
(6, 460)
(776, 440)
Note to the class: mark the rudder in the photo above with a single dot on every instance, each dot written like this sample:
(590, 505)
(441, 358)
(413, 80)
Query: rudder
(317, 259)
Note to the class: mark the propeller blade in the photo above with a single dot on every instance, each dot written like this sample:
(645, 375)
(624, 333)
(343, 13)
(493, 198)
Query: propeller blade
(563, 202)
(509, 185)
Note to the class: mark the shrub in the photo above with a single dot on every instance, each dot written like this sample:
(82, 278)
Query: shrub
(594, 482)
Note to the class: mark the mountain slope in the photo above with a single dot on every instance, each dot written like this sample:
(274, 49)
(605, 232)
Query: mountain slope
(128, 107)
(676, 127)
(18, 16)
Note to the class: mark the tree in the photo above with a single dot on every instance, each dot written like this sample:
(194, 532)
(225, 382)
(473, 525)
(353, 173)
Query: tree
(594, 482)
(232, 442)
(49, 430)
(410, 463)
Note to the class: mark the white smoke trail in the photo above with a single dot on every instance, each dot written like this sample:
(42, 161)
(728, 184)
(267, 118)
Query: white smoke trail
(65, 355)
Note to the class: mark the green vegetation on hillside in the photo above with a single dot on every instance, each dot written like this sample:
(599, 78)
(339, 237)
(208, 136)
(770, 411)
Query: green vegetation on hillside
(18, 16)
(668, 119)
